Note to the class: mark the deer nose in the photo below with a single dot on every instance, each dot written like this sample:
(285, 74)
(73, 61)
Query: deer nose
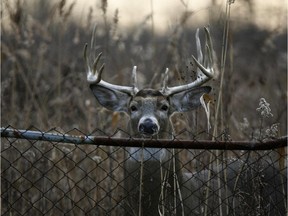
(148, 127)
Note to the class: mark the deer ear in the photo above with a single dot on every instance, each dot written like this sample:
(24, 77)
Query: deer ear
(188, 100)
(111, 99)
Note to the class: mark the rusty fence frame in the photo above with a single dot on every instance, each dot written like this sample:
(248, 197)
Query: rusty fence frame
(151, 143)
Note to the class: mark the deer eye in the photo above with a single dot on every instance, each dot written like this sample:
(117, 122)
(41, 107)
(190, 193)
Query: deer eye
(164, 107)
(133, 108)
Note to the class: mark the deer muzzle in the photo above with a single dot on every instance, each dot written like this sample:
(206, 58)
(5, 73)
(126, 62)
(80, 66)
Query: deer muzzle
(148, 126)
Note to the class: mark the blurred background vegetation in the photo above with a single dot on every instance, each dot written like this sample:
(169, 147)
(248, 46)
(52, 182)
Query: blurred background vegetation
(43, 80)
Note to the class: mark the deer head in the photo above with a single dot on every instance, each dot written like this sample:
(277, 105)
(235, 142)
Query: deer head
(150, 109)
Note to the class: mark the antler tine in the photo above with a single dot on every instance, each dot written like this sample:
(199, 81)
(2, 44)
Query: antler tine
(204, 73)
(198, 47)
(134, 79)
(99, 75)
(165, 81)
(208, 60)
(96, 61)
(93, 37)
(209, 46)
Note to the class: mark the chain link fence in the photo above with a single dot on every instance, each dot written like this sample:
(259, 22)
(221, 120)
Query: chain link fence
(72, 173)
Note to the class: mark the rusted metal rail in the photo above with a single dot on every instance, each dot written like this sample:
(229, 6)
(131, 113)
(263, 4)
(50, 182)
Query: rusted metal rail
(151, 143)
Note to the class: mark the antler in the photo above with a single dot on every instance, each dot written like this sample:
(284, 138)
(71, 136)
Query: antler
(94, 76)
(204, 73)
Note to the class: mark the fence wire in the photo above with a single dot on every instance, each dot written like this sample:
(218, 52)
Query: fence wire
(54, 173)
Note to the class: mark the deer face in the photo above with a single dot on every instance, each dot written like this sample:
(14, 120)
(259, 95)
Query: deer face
(149, 109)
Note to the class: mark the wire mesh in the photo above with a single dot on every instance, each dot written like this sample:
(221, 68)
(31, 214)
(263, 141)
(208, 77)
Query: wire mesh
(62, 176)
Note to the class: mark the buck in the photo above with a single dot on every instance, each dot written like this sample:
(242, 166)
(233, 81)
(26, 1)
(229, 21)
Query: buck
(153, 177)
